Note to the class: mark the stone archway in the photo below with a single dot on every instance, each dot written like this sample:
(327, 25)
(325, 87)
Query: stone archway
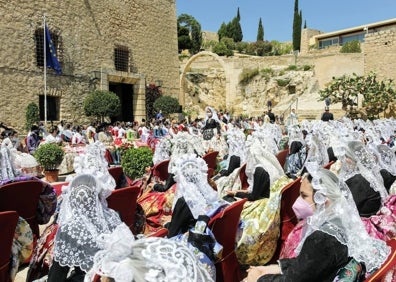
(187, 67)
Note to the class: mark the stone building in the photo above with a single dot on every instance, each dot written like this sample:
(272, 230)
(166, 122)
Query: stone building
(112, 45)
(377, 42)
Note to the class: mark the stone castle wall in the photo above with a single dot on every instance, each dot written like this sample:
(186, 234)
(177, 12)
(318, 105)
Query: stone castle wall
(380, 53)
(89, 32)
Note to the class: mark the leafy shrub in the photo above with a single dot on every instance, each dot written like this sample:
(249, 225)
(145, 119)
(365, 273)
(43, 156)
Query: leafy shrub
(251, 48)
(267, 73)
(263, 48)
(167, 105)
(135, 160)
(101, 104)
(222, 50)
(292, 68)
(351, 47)
(49, 156)
(306, 67)
(32, 115)
(282, 82)
(153, 92)
(247, 75)
(229, 42)
(241, 46)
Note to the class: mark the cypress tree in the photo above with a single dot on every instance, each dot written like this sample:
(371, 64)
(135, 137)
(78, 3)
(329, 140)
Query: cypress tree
(260, 32)
(222, 32)
(297, 21)
(305, 24)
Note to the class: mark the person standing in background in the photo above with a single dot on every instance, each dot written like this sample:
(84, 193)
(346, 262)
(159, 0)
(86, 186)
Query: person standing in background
(327, 115)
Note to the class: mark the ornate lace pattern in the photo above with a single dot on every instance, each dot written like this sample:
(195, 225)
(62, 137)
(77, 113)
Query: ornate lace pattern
(192, 184)
(7, 169)
(82, 218)
(147, 259)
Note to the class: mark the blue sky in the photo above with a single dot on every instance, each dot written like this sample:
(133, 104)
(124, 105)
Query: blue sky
(277, 15)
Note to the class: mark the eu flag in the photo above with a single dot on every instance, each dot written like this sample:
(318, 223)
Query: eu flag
(52, 60)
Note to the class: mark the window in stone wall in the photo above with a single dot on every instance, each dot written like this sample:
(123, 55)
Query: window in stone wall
(53, 106)
(121, 58)
(39, 38)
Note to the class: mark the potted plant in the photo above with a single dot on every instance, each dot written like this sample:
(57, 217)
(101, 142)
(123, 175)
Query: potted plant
(50, 156)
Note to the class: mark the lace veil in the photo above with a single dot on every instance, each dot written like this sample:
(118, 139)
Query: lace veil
(192, 184)
(146, 260)
(7, 168)
(214, 114)
(257, 155)
(82, 218)
(367, 166)
(162, 150)
(387, 158)
(337, 215)
(181, 146)
(93, 162)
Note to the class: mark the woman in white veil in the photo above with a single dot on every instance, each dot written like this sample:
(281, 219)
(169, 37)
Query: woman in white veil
(333, 234)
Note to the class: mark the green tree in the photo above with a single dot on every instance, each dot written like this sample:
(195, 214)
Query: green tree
(32, 115)
(236, 30)
(222, 32)
(241, 46)
(153, 92)
(167, 105)
(183, 37)
(232, 29)
(229, 42)
(297, 21)
(377, 95)
(102, 104)
(194, 28)
(351, 47)
(222, 50)
(263, 48)
(305, 24)
(260, 31)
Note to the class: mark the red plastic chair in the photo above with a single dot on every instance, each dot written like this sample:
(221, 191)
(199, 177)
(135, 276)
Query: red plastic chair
(281, 156)
(388, 265)
(288, 218)
(160, 170)
(124, 202)
(243, 177)
(116, 172)
(22, 197)
(211, 159)
(225, 226)
(8, 223)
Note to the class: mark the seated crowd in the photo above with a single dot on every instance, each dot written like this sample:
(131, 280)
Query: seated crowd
(346, 204)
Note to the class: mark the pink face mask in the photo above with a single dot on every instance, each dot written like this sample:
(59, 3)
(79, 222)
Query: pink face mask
(302, 209)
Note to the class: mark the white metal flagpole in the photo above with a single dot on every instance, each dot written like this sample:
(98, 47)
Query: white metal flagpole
(45, 74)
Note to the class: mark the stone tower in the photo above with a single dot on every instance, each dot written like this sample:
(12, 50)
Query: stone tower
(115, 45)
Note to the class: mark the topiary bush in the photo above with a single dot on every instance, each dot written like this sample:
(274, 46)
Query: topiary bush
(102, 104)
(32, 115)
(167, 104)
(135, 160)
(49, 156)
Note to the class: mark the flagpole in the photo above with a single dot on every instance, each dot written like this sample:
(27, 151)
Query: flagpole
(45, 74)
